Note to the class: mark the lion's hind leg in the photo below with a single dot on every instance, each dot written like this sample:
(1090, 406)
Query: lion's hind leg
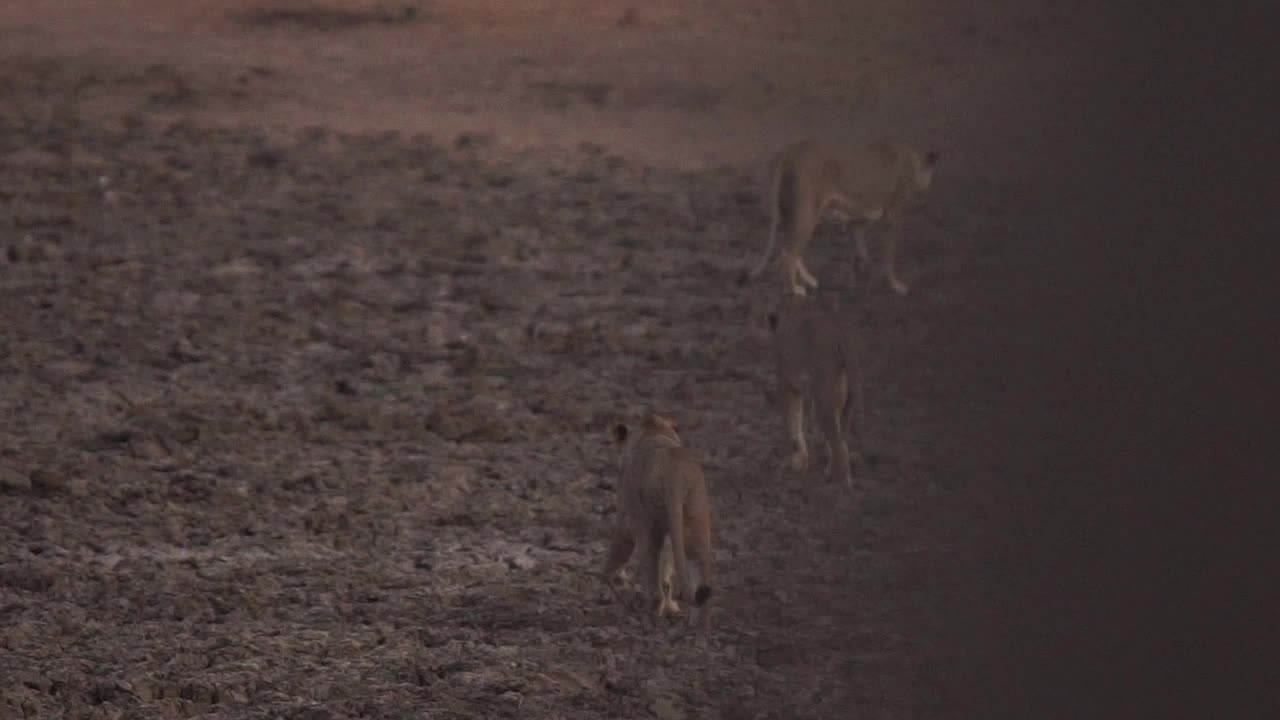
(621, 547)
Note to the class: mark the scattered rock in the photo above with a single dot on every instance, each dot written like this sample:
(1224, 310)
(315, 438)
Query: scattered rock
(239, 267)
(665, 708)
(144, 689)
(636, 332)
(233, 694)
(70, 369)
(472, 423)
(149, 448)
(12, 481)
(780, 655)
(78, 487)
(265, 159)
(29, 158)
(36, 681)
(184, 351)
(453, 483)
(471, 140)
(522, 561)
(46, 482)
(30, 249)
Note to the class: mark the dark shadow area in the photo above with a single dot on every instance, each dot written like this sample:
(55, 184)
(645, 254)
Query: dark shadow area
(1119, 560)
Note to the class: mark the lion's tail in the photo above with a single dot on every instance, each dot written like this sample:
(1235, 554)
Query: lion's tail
(775, 182)
(854, 416)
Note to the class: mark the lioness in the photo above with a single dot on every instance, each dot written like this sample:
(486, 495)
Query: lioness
(876, 182)
(662, 495)
(818, 359)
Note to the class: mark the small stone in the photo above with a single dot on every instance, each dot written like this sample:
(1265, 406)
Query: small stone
(70, 369)
(32, 158)
(666, 709)
(635, 331)
(779, 655)
(12, 481)
(43, 683)
(521, 562)
(238, 267)
(149, 449)
(47, 482)
(183, 350)
(234, 695)
(78, 487)
(468, 140)
(31, 250)
(458, 477)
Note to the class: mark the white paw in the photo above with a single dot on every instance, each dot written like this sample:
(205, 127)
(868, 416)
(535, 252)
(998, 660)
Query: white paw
(668, 608)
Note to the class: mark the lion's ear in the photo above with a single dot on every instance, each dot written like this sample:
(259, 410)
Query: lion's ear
(931, 159)
(619, 432)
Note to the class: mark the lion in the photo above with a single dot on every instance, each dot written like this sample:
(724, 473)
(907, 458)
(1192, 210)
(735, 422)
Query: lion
(818, 360)
(872, 183)
(663, 508)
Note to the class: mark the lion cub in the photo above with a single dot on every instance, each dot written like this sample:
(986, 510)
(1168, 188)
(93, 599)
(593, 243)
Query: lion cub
(876, 182)
(662, 496)
(818, 359)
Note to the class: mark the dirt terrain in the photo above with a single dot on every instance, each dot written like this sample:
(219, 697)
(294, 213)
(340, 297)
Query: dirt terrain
(315, 316)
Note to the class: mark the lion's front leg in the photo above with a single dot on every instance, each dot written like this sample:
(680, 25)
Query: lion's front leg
(892, 234)
(861, 256)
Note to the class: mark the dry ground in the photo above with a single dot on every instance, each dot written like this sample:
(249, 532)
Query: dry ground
(315, 315)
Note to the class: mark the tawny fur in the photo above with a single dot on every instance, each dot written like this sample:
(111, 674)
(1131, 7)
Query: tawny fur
(873, 183)
(819, 360)
(662, 497)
